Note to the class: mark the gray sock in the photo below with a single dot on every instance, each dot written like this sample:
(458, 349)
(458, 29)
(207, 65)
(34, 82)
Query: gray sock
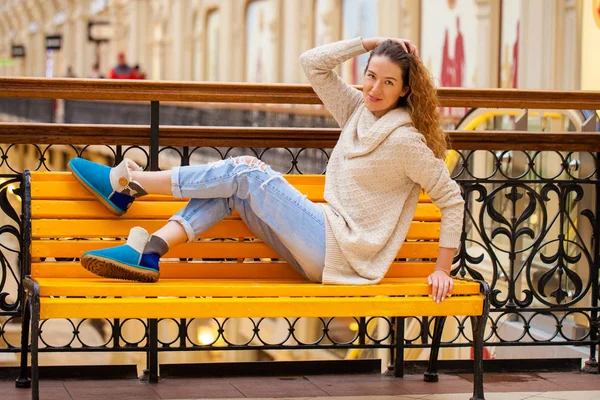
(134, 189)
(156, 245)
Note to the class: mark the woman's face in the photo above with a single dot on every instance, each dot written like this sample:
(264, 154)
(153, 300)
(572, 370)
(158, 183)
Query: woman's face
(382, 85)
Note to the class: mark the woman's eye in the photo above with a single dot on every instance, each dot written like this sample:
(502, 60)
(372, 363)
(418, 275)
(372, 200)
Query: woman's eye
(389, 82)
(371, 76)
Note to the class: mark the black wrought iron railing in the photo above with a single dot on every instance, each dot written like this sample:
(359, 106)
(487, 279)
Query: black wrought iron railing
(532, 217)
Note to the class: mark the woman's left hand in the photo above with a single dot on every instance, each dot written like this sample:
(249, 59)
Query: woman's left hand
(441, 285)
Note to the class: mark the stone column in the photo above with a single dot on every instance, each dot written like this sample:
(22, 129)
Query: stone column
(537, 44)
(30, 40)
(85, 54)
(567, 46)
(119, 18)
(294, 39)
(331, 16)
(226, 15)
(15, 34)
(180, 41)
(144, 30)
(135, 25)
(157, 41)
(4, 43)
(278, 43)
(237, 35)
(197, 34)
(69, 50)
(488, 43)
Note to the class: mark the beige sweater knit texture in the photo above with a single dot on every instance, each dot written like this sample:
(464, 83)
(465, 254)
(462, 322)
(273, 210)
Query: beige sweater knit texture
(374, 177)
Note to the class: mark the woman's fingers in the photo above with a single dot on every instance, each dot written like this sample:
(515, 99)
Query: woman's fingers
(413, 49)
(434, 282)
(402, 44)
(441, 290)
(440, 287)
(434, 287)
(446, 288)
(407, 46)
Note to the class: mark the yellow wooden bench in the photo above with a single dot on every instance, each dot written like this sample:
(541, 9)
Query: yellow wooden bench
(60, 210)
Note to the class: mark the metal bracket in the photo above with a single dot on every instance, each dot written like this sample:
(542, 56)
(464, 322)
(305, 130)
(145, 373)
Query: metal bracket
(589, 125)
(521, 121)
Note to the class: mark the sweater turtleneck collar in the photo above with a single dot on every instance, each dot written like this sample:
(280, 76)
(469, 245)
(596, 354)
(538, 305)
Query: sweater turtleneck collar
(371, 131)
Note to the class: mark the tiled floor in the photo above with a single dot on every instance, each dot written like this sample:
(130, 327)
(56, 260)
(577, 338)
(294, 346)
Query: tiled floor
(533, 386)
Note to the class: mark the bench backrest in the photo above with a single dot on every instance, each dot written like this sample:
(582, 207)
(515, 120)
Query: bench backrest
(66, 221)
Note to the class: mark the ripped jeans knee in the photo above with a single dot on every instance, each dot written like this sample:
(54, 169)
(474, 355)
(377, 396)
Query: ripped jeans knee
(250, 161)
(255, 164)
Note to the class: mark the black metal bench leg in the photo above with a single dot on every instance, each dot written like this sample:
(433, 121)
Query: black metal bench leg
(24, 380)
(399, 350)
(35, 333)
(431, 375)
(152, 360)
(478, 324)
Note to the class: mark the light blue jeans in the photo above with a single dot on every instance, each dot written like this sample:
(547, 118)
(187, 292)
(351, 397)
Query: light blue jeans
(273, 209)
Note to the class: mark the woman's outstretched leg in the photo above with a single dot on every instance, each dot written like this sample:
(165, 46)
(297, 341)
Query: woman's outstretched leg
(158, 182)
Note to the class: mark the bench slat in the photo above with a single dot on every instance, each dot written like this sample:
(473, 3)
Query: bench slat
(223, 270)
(257, 307)
(47, 176)
(76, 248)
(240, 288)
(74, 191)
(119, 228)
(90, 228)
(65, 209)
(44, 186)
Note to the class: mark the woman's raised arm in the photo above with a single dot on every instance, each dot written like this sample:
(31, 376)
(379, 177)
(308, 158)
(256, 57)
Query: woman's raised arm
(339, 98)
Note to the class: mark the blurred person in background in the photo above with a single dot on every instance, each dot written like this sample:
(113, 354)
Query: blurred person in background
(122, 70)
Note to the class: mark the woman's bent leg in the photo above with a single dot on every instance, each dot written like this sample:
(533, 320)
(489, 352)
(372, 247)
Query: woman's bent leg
(272, 208)
(138, 259)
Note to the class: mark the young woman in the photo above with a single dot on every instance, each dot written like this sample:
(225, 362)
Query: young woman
(390, 147)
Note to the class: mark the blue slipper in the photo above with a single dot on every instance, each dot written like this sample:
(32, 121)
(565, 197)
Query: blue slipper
(137, 260)
(114, 187)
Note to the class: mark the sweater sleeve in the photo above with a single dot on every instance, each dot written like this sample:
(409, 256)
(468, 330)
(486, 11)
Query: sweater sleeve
(431, 173)
(339, 98)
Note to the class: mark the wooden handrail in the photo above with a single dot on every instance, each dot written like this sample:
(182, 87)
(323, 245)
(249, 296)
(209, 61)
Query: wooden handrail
(75, 134)
(523, 140)
(136, 90)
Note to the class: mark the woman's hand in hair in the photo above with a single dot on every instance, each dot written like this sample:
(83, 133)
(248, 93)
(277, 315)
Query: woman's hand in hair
(407, 45)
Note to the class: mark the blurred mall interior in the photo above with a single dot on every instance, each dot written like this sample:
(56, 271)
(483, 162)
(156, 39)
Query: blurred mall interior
(534, 44)
(522, 44)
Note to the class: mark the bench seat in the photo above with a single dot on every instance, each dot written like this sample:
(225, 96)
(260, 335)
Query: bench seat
(226, 273)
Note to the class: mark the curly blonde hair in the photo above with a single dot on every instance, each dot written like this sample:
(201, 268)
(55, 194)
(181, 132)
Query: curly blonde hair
(421, 99)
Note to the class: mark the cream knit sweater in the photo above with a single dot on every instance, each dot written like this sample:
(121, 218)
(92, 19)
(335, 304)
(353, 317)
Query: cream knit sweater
(374, 177)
